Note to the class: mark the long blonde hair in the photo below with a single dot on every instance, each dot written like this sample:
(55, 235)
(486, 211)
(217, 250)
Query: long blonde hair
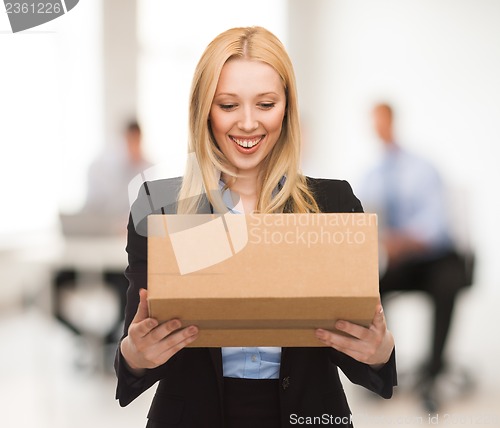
(207, 160)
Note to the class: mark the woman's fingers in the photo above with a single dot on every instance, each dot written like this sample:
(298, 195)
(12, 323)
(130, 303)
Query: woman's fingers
(360, 350)
(168, 337)
(149, 343)
(161, 351)
(149, 352)
(183, 339)
(354, 330)
(372, 345)
(163, 330)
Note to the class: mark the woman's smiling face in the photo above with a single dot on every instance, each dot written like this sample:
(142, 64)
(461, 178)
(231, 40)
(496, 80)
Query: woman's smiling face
(247, 113)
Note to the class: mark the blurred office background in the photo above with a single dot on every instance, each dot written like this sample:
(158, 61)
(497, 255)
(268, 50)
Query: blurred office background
(67, 88)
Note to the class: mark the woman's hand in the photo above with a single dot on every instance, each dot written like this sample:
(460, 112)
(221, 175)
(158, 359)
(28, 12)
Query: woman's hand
(372, 345)
(150, 344)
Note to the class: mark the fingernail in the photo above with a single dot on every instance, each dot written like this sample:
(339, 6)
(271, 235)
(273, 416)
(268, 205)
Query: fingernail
(175, 324)
(192, 330)
(340, 324)
(151, 324)
(320, 333)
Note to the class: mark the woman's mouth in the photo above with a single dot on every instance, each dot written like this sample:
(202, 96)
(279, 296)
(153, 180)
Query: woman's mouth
(247, 144)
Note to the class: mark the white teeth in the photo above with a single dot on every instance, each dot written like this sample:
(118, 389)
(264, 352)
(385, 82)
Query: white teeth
(248, 144)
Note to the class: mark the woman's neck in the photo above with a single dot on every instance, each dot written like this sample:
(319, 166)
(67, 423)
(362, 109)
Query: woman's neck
(247, 188)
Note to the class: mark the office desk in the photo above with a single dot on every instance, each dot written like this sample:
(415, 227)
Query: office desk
(89, 289)
(96, 254)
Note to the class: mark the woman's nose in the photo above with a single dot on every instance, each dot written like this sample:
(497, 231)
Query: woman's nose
(247, 121)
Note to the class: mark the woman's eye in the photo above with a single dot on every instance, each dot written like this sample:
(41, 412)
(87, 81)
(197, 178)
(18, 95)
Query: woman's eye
(267, 106)
(227, 107)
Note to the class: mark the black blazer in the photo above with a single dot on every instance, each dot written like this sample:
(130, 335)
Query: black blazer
(191, 383)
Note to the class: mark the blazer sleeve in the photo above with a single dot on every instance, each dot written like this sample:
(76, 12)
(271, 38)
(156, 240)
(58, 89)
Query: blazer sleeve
(338, 196)
(130, 386)
(380, 381)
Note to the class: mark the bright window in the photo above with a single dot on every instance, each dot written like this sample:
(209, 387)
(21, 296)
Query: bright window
(50, 113)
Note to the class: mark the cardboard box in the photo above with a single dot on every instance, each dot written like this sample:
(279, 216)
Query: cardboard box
(262, 279)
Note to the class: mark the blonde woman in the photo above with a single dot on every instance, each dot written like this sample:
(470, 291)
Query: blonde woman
(245, 138)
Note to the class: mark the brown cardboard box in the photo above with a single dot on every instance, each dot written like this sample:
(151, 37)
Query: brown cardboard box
(262, 279)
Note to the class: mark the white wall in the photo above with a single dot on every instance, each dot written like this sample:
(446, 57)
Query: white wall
(438, 62)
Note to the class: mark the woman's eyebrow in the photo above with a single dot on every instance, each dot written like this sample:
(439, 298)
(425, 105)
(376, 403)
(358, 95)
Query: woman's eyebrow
(267, 93)
(229, 94)
(222, 94)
